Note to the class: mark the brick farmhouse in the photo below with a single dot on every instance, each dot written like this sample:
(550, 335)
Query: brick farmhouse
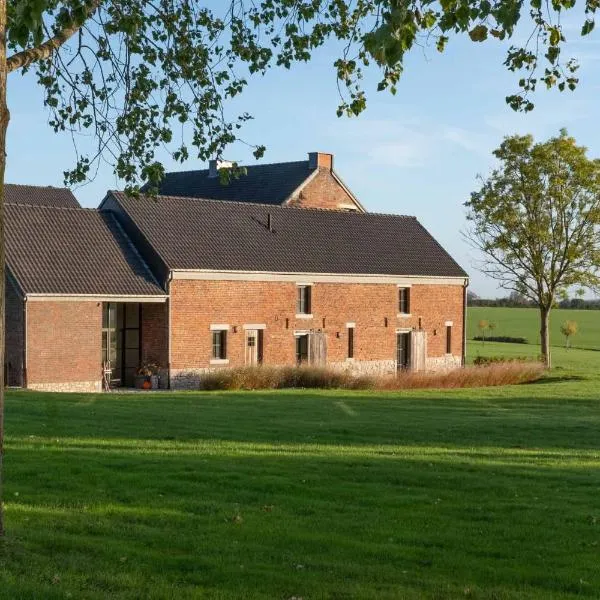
(281, 266)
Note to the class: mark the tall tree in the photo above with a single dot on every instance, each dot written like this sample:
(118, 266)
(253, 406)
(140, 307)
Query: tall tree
(147, 74)
(535, 220)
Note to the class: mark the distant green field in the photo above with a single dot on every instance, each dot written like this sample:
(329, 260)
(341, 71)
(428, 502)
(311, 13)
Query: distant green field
(523, 322)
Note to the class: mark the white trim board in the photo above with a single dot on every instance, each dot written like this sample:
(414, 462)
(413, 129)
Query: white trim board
(399, 280)
(93, 298)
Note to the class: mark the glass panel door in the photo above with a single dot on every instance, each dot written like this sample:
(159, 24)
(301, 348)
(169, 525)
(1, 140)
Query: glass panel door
(403, 350)
(110, 355)
(129, 341)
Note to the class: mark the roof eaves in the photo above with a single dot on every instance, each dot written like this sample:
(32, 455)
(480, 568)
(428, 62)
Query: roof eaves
(348, 190)
(11, 275)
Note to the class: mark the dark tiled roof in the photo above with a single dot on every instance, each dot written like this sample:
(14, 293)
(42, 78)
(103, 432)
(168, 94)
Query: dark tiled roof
(233, 236)
(264, 184)
(73, 251)
(39, 195)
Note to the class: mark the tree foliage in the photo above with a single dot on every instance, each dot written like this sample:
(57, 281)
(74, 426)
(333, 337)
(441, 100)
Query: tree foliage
(535, 221)
(483, 326)
(140, 76)
(569, 329)
(146, 75)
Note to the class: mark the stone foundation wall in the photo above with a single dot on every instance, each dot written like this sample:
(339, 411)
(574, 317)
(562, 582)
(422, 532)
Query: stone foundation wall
(366, 367)
(81, 387)
(447, 362)
(187, 379)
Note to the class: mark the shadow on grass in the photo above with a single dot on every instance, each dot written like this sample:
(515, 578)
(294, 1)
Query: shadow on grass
(495, 417)
(555, 378)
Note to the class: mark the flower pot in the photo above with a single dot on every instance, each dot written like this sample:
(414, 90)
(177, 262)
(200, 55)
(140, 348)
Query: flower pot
(142, 382)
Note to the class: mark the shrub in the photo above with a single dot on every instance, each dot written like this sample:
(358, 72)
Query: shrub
(488, 371)
(501, 338)
(481, 361)
(499, 373)
(569, 329)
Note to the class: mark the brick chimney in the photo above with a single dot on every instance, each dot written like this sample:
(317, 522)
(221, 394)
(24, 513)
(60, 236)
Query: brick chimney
(214, 166)
(320, 160)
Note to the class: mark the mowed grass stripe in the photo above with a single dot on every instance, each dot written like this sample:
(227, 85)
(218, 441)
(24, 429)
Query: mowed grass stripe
(424, 494)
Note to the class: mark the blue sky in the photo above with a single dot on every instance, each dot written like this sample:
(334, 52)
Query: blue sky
(416, 153)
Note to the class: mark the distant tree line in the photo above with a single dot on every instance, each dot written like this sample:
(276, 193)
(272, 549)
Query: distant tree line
(517, 301)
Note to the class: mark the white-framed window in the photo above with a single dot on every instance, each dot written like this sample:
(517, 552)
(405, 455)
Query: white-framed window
(302, 348)
(404, 300)
(219, 344)
(303, 303)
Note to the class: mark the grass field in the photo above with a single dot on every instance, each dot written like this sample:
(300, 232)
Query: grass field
(524, 322)
(486, 493)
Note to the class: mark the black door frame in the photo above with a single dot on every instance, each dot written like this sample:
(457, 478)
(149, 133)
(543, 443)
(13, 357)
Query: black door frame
(403, 344)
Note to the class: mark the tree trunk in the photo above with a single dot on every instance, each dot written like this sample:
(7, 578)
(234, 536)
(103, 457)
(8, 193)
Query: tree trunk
(545, 335)
(4, 118)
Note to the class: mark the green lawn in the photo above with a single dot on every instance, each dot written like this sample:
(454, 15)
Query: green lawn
(524, 322)
(566, 362)
(487, 494)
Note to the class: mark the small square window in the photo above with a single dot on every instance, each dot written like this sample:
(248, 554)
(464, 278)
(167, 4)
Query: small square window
(219, 345)
(404, 300)
(304, 297)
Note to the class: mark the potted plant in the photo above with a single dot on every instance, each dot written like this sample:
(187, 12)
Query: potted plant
(147, 376)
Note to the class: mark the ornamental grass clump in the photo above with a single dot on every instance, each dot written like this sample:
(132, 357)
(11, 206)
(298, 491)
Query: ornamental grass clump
(307, 377)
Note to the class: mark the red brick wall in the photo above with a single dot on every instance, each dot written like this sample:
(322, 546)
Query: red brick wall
(198, 304)
(155, 334)
(14, 331)
(64, 342)
(323, 191)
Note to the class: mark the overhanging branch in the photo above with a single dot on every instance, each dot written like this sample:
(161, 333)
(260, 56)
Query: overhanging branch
(28, 56)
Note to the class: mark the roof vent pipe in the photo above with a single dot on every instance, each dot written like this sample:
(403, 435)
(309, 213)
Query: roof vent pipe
(269, 222)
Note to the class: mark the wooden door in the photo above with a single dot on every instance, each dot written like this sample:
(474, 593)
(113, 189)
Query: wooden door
(419, 350)
(317, 348)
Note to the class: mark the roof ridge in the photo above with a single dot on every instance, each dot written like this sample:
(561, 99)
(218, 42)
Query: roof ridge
(41, 187)
(286, 162)
(270, 206)
(46, 206)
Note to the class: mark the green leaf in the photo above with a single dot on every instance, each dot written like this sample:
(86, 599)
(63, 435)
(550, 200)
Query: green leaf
(479, 33)
(588, 27)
